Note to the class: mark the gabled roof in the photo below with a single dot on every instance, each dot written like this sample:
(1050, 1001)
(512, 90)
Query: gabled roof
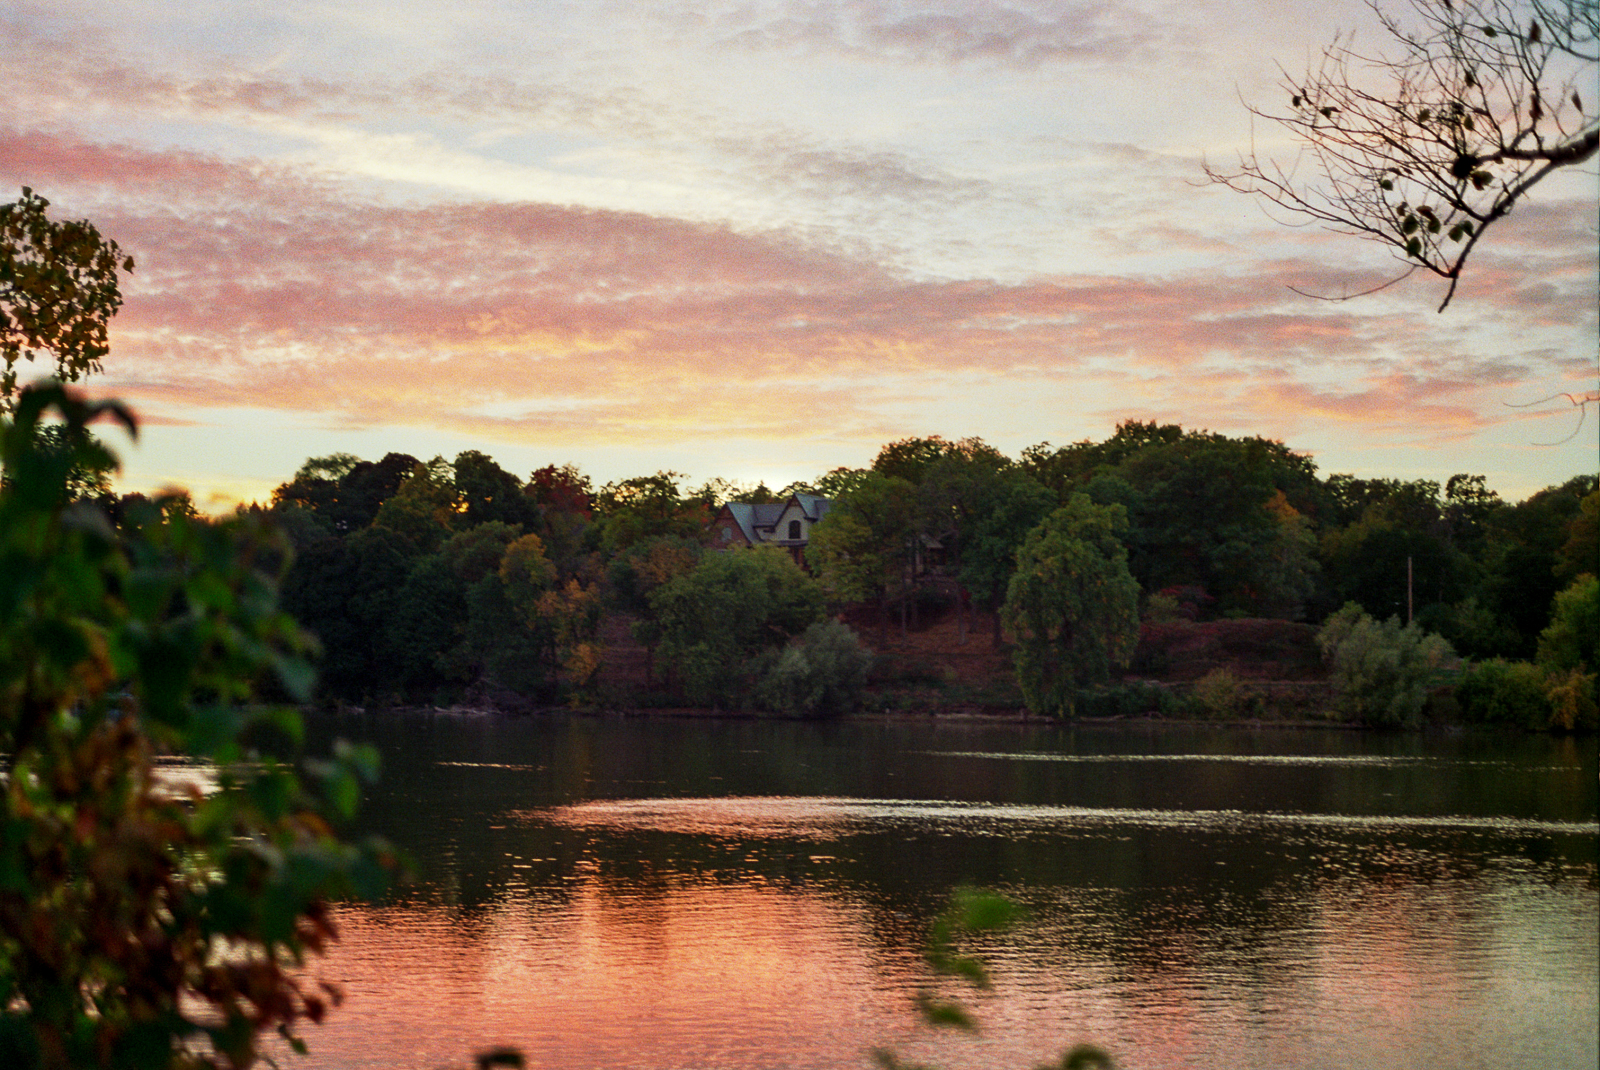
(753, 520)
(814, 506)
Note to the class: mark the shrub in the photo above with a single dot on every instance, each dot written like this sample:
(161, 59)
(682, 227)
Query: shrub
(1572, 700)
(1500, 692)
(1223, 696)
(1382, 672)
(822, 673)
(1572, 639)
(1163, 608)
(1134, 698)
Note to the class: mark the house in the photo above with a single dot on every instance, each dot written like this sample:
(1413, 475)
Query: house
(786, 524)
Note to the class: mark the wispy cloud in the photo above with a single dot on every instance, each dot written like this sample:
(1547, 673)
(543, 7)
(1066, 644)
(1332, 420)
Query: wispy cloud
(1023, 34)
(771, 220)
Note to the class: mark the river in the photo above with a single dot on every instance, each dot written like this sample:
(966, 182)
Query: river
(659, 893)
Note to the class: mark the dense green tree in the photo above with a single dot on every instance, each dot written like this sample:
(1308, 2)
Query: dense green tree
(505, 643)
(719, 617)
(1208, 511)
(1393, 570)
(344, 591)
(1072, 607)
(334, 466)
(1581, 552)
(1469, 510)
(836, 483)
(58, 292)
(633, 575)
(424, 508)
(425, 629)
(981, 512)
(645, 507)
(865, 548)
(350, 500)
(911, 459)
(1572, 639)
(486, 492)
(823, 673)
(1523, 560)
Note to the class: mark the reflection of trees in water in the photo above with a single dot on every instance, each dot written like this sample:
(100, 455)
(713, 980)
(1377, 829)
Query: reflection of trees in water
(477, 827)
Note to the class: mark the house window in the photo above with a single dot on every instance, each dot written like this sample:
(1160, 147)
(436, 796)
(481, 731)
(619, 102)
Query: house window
(794, 531)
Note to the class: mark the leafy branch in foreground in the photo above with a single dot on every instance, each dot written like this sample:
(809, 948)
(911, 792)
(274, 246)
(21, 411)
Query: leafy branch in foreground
(1425, 149)
(162, 879)
(973, 911)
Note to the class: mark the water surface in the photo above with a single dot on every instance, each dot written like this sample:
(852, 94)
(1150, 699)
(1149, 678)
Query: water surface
(741, 894)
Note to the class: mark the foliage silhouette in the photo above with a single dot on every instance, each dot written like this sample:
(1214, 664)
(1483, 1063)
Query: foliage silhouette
(152, 914)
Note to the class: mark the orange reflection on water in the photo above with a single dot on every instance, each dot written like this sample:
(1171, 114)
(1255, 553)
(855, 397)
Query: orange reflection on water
(698, 975)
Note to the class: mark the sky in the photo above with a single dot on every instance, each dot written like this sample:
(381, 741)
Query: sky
(755, 239)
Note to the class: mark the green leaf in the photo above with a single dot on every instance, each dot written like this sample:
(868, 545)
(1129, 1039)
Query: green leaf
(942, 1012)
(344, 790)
(363, 758)
(1086, 1057)
(982, 911)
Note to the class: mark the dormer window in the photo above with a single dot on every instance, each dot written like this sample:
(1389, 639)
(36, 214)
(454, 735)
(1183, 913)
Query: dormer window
(794, 531)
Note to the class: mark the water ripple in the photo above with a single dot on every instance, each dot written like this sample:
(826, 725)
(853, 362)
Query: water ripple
(824, 816)
(1377, 761)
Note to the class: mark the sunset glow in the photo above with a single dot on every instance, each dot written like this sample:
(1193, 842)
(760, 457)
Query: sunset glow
(753, 240)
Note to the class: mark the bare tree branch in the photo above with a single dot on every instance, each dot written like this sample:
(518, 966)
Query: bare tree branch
(1424, 149)
(1402, 277)
(1581, 402)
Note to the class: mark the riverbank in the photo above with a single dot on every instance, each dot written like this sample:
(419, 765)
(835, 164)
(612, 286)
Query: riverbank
(1247, 673)
(947, 664)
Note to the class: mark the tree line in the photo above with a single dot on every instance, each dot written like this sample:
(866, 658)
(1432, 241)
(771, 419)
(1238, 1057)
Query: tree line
(427, 581)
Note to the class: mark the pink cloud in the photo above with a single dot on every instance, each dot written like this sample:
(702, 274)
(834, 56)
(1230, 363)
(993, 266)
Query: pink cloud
(257, 287)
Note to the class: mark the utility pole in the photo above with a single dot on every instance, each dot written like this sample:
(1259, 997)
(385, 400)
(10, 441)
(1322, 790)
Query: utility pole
(1408, 589)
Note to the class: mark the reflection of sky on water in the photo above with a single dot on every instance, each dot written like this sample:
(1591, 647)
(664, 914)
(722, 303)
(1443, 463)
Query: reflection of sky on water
(762, 901)
(1369, 760)
(699, 975)
(827, 818)
(701, 971)
(182, 776)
